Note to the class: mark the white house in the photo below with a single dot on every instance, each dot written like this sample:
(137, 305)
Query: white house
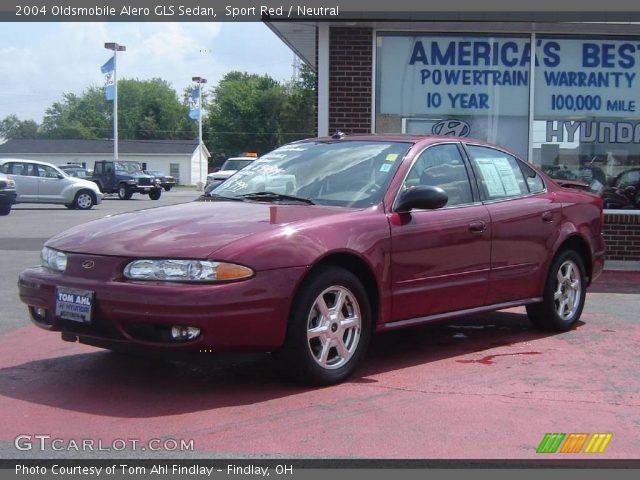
(180, 158)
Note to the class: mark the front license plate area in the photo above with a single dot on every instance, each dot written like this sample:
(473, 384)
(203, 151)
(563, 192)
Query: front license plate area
(74, 304)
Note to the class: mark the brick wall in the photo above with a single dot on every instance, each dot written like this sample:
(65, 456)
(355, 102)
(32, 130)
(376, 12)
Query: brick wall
(622, 235)
(350, 79)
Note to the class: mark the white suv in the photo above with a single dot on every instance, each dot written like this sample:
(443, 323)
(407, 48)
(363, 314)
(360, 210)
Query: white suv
(41, 182)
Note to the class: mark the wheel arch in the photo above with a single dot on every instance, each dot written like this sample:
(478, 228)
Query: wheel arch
(355, 264)
(578, 244)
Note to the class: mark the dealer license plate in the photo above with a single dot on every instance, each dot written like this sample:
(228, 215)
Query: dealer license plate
(74, 304)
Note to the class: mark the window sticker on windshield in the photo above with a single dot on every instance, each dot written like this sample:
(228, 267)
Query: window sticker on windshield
(292, 148)
(273, 156)
(391, 157)
(385, 167)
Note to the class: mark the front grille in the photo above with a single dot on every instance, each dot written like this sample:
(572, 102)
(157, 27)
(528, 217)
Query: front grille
(98, 327)
(144, 181)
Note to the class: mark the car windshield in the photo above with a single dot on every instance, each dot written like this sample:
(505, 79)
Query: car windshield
(128, 166)
(236, 164)
(350, 173)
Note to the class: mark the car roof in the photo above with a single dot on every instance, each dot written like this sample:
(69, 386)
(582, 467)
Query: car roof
(396, 137)
(38, 162)
(409, 138)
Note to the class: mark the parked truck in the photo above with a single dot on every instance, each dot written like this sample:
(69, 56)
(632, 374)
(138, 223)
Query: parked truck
(125, 178)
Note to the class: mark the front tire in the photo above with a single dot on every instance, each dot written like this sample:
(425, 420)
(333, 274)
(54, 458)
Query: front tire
(5, 209)
(84, 200)
(564, 294)
(166, 189)
(124, 193)
(329, 328)
(155, 194)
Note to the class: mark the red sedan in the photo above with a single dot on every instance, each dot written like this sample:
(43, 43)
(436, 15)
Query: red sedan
(320, 243)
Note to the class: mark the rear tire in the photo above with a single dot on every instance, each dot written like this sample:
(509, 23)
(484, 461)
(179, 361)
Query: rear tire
(564, 294)
(329, 328)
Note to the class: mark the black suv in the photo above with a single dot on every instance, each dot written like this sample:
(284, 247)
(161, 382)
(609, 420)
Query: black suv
(125, 178)
(7, 194)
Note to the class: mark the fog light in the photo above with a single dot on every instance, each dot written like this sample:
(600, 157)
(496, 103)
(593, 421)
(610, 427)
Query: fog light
(184, 333)
(39, 315)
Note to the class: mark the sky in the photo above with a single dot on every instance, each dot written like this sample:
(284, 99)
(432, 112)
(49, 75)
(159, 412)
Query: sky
(41, 61)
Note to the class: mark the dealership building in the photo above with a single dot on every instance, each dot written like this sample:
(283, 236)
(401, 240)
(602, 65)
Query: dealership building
(562, 94)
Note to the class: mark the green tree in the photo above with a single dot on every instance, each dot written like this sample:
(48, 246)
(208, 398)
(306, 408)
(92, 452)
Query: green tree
(250, 112)
(147, 109)
(150, 109)
(84, 116)
(298, 118)
(12, 127)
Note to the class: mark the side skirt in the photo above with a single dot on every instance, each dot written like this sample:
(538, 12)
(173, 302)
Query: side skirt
(454, 314)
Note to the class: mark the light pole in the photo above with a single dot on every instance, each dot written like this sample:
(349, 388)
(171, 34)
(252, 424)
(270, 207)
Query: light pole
(200, 81)
(116, 48)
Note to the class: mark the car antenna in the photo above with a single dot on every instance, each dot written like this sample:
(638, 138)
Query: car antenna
(338, 135)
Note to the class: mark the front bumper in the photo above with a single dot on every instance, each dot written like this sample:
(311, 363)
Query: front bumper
(8, 197)
(246, 315)
(144, 189)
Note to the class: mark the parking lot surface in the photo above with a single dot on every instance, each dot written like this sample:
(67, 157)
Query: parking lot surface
(488, 386)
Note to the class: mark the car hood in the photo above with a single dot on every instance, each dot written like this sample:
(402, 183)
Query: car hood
(81, 182)
(190, 230)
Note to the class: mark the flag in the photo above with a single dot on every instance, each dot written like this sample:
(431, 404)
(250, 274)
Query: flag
(108, 69)
(194, 104)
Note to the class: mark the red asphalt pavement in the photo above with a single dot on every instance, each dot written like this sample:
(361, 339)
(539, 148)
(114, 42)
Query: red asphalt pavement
(486, 387)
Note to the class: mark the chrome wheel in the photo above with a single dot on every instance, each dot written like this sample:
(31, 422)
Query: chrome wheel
(568, 293)
(84, 201)
(334, 327)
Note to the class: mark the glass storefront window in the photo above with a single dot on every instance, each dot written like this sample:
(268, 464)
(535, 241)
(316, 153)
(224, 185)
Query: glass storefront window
(471, 86)
(587, 114)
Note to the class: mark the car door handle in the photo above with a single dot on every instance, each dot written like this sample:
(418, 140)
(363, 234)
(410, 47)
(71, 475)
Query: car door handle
(547, 217)
(477, 227)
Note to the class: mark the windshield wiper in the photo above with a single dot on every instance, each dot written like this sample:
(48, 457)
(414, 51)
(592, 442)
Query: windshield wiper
(214, 196)
(275, 196)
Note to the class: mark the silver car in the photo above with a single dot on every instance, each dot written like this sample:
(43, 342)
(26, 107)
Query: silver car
(41, 182)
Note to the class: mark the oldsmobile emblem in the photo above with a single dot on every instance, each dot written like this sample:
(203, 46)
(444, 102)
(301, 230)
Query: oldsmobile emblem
(88, 264)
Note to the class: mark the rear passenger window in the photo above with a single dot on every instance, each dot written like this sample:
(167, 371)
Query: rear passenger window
(498, 173)
(534, 181)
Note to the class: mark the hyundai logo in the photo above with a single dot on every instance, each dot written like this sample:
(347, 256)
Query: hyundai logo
(455, 128)
(88, 264)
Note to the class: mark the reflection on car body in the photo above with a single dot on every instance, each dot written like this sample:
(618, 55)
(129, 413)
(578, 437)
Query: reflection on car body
(314, 247)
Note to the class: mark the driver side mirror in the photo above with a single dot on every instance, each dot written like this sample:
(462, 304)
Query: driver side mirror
(421, 197)
(59, 176)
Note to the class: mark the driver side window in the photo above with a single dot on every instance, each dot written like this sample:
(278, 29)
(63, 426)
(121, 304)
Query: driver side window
(442, 166)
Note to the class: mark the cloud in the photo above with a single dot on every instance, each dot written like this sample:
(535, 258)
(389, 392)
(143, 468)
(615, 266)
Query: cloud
(41, 61)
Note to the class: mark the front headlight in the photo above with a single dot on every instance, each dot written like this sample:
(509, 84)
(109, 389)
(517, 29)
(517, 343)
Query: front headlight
(168, 270)
(53, 259)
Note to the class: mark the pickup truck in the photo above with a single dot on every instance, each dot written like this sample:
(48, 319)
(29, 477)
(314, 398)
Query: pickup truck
(125, 178)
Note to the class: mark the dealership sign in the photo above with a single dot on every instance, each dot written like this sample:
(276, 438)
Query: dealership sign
(460, 75)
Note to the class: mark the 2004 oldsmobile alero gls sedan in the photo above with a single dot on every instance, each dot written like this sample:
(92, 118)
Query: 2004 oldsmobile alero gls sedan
(318, 244)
